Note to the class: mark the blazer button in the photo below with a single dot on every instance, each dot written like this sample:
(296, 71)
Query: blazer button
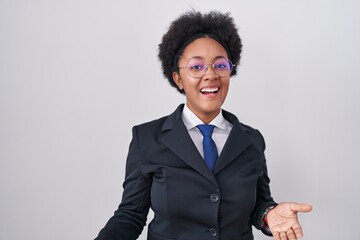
(214, 197)
(213, 232)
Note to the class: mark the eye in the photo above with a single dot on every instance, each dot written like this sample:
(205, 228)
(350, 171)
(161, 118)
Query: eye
(223, 65)
(196, 67)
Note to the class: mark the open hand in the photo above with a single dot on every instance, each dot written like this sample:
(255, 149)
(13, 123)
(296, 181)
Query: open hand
(283, 222)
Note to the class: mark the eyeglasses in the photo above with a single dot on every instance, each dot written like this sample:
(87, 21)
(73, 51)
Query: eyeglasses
(197, 68)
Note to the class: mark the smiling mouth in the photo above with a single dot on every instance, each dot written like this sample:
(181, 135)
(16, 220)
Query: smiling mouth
(209, 90)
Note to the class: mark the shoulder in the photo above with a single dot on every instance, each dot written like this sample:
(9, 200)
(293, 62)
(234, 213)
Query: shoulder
(152, 125)
(161, 124)
(252, 132)
(230, 117)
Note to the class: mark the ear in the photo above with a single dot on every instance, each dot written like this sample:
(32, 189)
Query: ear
(177, 79)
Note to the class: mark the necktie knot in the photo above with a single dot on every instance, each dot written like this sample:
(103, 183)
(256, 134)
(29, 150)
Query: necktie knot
(206, 129)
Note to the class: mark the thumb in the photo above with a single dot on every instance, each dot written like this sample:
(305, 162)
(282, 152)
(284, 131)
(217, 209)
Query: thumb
(300, 207)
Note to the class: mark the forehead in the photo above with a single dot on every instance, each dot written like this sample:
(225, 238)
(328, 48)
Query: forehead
(204, 48)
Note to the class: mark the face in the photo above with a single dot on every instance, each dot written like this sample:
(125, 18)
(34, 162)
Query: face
(205, 95)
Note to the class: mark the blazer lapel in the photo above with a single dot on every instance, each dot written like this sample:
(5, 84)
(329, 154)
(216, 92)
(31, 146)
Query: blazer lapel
(236, 143)
(178, 140)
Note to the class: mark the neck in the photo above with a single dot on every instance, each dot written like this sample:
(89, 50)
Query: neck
(208, 117)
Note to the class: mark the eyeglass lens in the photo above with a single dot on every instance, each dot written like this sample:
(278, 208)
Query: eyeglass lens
(197, 67)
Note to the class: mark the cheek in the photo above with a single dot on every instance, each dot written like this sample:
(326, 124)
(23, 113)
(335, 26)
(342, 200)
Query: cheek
(189, 84)
(225, 85)
(227, 88)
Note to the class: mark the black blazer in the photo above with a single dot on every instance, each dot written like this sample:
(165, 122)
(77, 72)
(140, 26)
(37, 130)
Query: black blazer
(165, 171)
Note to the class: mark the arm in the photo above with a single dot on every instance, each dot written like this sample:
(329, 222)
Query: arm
(278, 220)
(263, 199)
(130, 218)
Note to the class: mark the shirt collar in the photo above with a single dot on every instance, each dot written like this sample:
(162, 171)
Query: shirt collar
(191, 120)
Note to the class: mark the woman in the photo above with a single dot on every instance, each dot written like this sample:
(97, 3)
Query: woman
(201, 171)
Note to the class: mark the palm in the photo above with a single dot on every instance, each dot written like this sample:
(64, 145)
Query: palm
(283, 221)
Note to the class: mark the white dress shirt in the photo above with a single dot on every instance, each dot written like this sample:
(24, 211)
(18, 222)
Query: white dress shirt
(221, 131)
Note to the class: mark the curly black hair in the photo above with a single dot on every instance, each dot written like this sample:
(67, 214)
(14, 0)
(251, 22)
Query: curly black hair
(192, 25)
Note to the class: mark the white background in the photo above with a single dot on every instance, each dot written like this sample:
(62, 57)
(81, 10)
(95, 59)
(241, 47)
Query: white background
(76, 75)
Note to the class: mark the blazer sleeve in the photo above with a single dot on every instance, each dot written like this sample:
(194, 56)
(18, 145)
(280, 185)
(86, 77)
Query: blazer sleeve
(264, 199)
(129, 219)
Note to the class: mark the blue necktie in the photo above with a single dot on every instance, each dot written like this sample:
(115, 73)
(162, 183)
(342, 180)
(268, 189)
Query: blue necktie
(210, 151)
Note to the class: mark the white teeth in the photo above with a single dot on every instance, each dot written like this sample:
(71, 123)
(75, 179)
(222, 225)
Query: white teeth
(209, 90)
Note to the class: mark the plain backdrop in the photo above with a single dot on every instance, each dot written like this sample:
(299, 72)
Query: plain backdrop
(76, 75)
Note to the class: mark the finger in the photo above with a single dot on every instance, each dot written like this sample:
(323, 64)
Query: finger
(283, 236)
(290, 234)
(276, 235)
(299, 207)
(297, 230)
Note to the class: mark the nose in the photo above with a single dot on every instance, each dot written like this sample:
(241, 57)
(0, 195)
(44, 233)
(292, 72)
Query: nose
(210, 73)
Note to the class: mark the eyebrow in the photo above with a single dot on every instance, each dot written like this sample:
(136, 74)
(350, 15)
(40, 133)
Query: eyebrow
(201, 58)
